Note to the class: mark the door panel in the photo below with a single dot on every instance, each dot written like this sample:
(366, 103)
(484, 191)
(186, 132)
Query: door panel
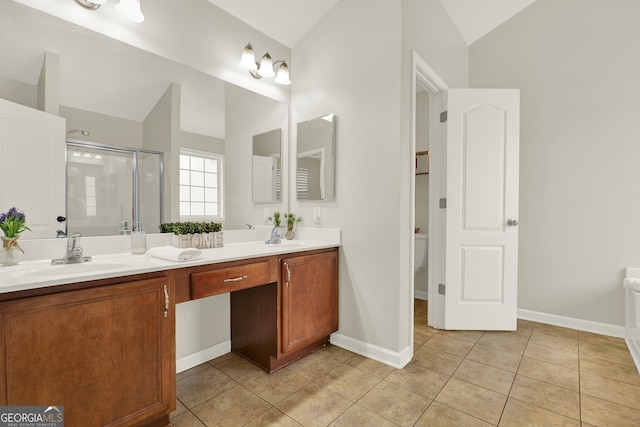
(32, 140)
(482, 195)
(309, 299)
(483, 168)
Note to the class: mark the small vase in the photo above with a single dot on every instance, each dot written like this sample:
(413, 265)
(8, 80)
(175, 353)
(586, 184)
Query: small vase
(11, 253)
(290, 235)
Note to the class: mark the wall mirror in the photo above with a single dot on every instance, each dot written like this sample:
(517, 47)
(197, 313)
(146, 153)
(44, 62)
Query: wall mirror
(119, 94)
(267, 166)
(315, 169)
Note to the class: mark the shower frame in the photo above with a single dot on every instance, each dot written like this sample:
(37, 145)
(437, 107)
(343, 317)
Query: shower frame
(135, 171)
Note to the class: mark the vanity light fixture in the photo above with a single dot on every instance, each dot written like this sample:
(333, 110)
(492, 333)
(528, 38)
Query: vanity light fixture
(128, 9)
(265, 67)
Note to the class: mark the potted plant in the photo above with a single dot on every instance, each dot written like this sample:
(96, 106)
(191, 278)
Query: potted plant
(12, 223)
(276, 219)
(200, 235)
(292, 220)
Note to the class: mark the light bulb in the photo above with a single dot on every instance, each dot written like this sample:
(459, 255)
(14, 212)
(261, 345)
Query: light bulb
(282, 77)
(130, 10)
(248, 59)
(266, 66)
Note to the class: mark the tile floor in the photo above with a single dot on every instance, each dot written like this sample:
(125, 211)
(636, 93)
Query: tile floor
(539, 375)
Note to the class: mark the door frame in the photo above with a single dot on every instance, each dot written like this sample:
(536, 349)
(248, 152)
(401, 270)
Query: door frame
(423, 76)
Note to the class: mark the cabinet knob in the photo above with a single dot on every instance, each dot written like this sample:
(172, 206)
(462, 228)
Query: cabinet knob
(512, 222)
(61, 219)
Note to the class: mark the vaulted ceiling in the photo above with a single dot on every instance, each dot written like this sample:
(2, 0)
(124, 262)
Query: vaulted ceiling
(288, 20)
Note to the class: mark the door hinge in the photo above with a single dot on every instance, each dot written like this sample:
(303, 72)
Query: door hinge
(443, 203)
(441, 288)
(443, 117)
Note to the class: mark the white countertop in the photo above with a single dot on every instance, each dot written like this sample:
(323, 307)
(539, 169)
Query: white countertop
(39, 274)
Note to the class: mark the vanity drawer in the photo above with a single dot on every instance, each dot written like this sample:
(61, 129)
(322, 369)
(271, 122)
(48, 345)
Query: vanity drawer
(230, 279)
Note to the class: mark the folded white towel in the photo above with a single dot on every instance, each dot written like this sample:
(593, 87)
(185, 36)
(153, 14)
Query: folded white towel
(171, 253)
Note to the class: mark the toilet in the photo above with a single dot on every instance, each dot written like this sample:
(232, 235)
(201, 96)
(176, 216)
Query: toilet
(420, 251)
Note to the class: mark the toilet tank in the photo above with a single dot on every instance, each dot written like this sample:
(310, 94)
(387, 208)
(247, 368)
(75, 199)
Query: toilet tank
(420, 251)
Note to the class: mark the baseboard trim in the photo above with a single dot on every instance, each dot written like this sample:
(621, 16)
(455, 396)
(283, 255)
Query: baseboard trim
(379, 354)
(424, 295)
(195, 359)
(573, 323)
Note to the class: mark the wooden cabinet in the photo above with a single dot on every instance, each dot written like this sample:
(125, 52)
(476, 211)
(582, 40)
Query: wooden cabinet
(277, 323)
(107, 354)
(309, 299)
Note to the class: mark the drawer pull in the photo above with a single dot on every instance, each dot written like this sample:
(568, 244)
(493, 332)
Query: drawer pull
(286, 266)
(166, 301)
(235, 279)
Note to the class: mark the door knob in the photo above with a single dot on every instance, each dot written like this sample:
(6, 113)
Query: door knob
(512, 222)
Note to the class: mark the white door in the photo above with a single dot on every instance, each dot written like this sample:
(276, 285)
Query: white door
(31, 140)
(481, 271)
(264, 179)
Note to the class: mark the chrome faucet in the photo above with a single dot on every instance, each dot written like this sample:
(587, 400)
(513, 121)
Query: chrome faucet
(249, 226)
(74, 252)
(275, 237)
(60, 234)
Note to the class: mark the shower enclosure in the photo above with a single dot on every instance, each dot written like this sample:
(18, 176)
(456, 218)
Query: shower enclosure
(109, 189)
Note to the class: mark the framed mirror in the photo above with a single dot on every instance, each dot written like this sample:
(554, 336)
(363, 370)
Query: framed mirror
(267, 167)
(315, 165)
(114, 94)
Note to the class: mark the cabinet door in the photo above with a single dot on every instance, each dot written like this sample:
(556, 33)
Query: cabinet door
(32, 166)
(106, 354)
(309, 299)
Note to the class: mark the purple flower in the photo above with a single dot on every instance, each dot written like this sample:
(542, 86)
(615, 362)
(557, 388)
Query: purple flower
(16, 215)
(12, 223)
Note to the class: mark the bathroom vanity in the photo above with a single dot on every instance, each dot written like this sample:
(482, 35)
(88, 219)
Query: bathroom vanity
(102, 344)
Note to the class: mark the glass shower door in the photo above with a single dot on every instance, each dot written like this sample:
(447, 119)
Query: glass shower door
(100, 185)
(150, 190)
(109, 189)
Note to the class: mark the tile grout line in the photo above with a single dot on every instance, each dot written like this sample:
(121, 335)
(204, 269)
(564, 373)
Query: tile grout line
(515, 376)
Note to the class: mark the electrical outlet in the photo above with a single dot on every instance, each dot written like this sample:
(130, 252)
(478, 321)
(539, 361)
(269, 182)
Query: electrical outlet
(317, 215)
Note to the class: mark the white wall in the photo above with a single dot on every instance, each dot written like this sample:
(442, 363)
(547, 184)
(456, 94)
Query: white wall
(19, 92)
(337, 69)
(104, 129)
(333, 74)
(576, 63)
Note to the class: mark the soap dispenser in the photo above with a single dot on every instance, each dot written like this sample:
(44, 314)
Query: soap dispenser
(138, 239)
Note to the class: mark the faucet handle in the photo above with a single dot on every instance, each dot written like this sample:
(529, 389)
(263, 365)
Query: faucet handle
(72, 243)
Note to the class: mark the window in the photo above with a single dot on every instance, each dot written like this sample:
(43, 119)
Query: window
(302, 183)
(200, 185)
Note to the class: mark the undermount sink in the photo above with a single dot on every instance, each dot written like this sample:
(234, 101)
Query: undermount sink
(62, 270)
